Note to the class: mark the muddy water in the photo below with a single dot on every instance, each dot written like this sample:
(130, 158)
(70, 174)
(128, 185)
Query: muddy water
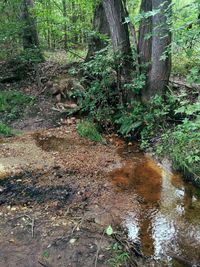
(165, 221)
(160, 212)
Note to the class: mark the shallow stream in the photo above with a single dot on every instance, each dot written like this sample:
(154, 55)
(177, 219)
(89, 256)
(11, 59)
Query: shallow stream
(165, 220)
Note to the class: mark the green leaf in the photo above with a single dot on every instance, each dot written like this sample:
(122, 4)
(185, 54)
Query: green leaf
(109, 230)
(45, 254)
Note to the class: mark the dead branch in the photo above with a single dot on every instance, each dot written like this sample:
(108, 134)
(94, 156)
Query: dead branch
(178, 83)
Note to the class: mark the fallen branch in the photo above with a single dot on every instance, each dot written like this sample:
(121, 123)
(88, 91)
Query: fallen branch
(178, 83)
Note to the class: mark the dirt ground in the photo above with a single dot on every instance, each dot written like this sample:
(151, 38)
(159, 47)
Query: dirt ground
(56, 199)
(51, 182)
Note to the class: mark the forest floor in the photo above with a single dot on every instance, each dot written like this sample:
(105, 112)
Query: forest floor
(59, 192)
(55, 193)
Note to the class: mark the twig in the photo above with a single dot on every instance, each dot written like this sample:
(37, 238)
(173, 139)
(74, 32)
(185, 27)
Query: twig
(78, 224)
(42, 264)
(32, 227)
(68, 50)
(98, 249)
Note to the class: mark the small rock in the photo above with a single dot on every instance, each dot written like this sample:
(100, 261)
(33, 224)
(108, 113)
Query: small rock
(101, 256)
(2, 189)
(12, 241)
(72, 241)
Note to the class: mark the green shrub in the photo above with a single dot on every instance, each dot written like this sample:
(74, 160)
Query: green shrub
(103, 98)
(182, 143)
(145, 121)
(89, 130)
(99, 100)
(12, 105)
(5, 130)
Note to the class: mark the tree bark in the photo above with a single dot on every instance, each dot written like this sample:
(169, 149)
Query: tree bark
(160, 69)
(145, 38)
(65, 23)
(29, 33)
(115, 15)
(100, 26)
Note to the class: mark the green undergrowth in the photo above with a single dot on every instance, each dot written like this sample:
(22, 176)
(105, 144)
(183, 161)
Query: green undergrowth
(168, 126)
(13, 105)
(120, 256)
(5, 130)
(182, 142)
(89, 130)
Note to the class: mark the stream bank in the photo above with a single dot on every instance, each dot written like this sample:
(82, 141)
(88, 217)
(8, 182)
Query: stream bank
(59, 192)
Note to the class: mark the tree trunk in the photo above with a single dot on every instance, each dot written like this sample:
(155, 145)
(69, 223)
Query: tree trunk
(100, 25)
(145, 38)
(130, 25)
(29, 34)
(65, 23)
(160, 69)
(115, 15)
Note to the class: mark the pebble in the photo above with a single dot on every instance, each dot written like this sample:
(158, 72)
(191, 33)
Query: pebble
(72, 241)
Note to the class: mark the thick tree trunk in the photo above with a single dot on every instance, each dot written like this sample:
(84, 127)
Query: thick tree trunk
(100, 25)
(160, 69)
(29, 34)
(115, 15)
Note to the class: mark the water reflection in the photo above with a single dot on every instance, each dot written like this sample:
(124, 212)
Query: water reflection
(166, 222)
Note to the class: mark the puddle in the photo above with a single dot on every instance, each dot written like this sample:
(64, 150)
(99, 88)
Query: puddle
(164, 218)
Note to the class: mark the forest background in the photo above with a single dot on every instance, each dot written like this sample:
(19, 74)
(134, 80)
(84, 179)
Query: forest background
(139, 62)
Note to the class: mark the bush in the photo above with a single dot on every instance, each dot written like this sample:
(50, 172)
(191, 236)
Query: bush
(145, 121)
(182, 143)
(101, 97)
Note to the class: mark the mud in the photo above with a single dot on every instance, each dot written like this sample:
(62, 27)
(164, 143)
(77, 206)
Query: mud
(59, 192)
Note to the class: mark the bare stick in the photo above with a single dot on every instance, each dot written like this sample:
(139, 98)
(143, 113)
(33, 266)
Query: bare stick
(98, 249)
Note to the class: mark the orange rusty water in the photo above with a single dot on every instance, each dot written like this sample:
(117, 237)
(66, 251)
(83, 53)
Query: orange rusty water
(164, 218)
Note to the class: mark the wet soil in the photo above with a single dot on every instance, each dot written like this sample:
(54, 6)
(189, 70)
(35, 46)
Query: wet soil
(58, 193)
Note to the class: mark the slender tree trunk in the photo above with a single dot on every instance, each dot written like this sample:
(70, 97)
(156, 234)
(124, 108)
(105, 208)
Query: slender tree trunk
(130, 25)
(29, 34)
(65, 23)
(158, 76)
(145, 31)
(100, 25)
(74, 18)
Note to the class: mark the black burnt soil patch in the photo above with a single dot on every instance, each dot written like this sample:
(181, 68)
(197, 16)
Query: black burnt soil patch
(25, 189)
